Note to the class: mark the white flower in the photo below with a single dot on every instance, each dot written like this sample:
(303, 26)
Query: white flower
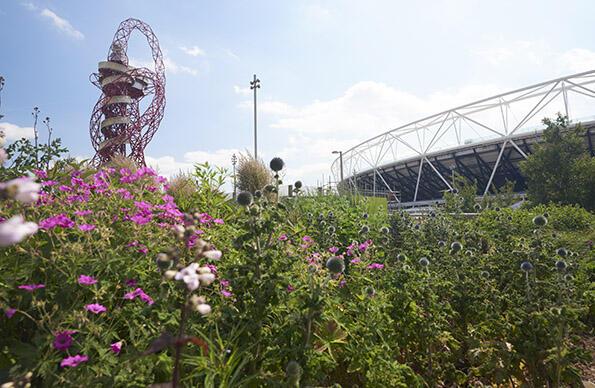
(212, 254)
(189, 276)
(23, 189)
(206, 279)
(203, 309)
(14, 230)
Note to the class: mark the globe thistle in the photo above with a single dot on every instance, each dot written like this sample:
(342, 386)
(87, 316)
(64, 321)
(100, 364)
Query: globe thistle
(424, 262)
(546, 214)
(456, 246)
(163, 261)
(365, 229)
(258, 194)
(497, 209)
(416, 227)
(509, 218)
(526, 266)
(335, 264)
(330, 215)
(370, 291)
(562, 252)
(441, 243)
(432, 214)
(477, 207)
(485, 274)
(323, 223)
(568, 278)
(331, 229)
(384, 230)
(365, 216)
(469, 252)
(277, 164)
(455, 191)
(560, 265)
(244, 198)
(540, 220)
(297, 184)
(269, 188)
(401, 257)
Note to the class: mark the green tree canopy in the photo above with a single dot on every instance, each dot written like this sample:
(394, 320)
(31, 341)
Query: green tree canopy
(560, 170)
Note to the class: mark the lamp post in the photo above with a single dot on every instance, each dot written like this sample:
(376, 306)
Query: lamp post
(234, 160)
(255, 84)
(340, 164)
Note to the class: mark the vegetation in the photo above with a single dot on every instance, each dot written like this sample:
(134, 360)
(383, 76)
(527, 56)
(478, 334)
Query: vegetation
(560, 170)
(252, 174)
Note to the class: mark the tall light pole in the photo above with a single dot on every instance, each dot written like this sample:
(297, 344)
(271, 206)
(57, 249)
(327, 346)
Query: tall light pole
(255, 84)
(340, 163)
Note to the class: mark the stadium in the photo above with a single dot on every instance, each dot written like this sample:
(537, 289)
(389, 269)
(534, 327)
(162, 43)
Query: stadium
(483, 141)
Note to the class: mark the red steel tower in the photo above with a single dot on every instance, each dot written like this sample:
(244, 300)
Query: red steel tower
(117, 126)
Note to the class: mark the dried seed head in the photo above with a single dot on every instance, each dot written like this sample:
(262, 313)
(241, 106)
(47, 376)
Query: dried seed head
(277, 164)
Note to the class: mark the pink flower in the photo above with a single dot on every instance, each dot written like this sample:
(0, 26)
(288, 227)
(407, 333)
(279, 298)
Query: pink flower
(9, 312)
(141, 219)
(283, 237)
(219, 221)
(31, 287)
(60, 220)
(355, 261)
(140, 294)
(226, 293)
(49, 183)
(375, 266)
(15, 230)
(86, 227)
(87, 280)
(64, 188)
(116, 347)
(333, 250)
(40, 174)
(82, 213)
(290, 288)
(63, 339)
(95, 308)
(73, 361)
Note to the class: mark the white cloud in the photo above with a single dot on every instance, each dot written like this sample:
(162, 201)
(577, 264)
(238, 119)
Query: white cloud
(242, 91)
(170, 166)
(317, 12)
(62, 24)
(578, 60)
(231, 54)
(14, 132)
(193, 51)
(171, 67)
(28, 5)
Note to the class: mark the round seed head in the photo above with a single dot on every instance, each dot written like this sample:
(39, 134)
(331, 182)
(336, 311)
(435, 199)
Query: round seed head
(258, 193)
(441, 243)
(540, 220)
(560, 265)
(526, 266)
(562, 252)
(477, 207)
(244, 198)
(277, 164)
(424, 262)
(456, 246)
(335, 264)
(365, 229)
(297, 184)
(384, 230)
(365, 216)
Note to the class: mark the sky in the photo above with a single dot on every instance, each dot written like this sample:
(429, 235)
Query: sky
(333, 73)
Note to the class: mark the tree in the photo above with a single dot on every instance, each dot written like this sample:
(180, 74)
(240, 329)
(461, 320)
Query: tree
(560, 170)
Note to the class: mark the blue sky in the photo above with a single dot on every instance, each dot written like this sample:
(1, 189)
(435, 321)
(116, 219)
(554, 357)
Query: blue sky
(333, 72)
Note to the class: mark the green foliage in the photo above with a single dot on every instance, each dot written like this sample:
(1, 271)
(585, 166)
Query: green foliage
(560, 170)
(24, 157)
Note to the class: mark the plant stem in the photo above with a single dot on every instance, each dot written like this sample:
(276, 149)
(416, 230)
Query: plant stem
(178, 345)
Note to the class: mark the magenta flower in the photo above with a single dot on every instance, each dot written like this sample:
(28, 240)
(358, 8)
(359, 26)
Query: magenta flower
(9, 312)
(333, 250)
(375, 266)
(73, 361)
(140, 294)
(87, 280)
(226, 293)
(116, 347)
(219, 221)
(31, 287)
(95, 308)
(86, 227)
(61, 220)
(82, 213)
(63, 339)
(355, 261)
(283, 237)
(64, 188)
(290, 288)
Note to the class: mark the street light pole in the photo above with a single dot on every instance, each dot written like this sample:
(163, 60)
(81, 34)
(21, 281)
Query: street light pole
(255, 84)
(1, 87)
(340, 164)
(234, 160)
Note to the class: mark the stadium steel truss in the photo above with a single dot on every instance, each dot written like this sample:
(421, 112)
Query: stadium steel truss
(117, 126)
(482, 141)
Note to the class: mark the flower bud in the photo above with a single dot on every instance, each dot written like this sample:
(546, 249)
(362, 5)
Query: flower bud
(163, 261)
(244, 198)
(212, 254)
(277, 164)
(335, 264)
